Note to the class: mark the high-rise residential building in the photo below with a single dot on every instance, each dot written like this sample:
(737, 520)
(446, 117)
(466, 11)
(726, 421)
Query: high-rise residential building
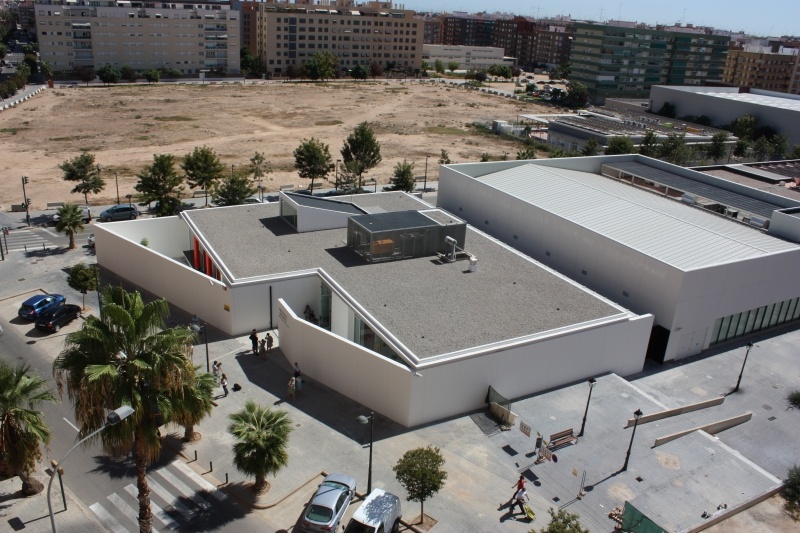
(248, 10)
(553, 42)
(434, 30)
(176, 35)
(625, 59)
(469, 30)
(290, 34)
(771, 67)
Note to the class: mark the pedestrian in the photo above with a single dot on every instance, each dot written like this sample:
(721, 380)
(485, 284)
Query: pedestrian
(307, 311)
(216, 368)
(297, 369)
(292, 387)
(262, 348)
(270, 340)
(195, 320)
(298, 384)
(224, 383)
(520, 484)
(254, 340)
(519, 499)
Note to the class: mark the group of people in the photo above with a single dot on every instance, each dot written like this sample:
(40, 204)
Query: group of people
(261, 347)
(220, 376)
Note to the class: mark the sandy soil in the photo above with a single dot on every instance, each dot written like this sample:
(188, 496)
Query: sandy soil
(124, 126)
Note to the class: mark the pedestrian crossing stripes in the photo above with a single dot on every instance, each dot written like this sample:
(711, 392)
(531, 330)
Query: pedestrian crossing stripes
(177, 495)
(22, 239)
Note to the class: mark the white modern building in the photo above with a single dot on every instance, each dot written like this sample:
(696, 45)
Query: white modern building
(467, 57)
(725, 104)
(710, 259)
(415, 313)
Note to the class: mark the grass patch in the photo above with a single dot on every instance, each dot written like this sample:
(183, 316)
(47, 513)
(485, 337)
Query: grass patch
(142, 137)
(73, 138)
(12, 131)
(174, 118)
(327, 122)
(444, 130)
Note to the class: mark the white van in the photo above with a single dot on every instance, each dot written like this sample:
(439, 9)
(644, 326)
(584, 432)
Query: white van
(380, 513)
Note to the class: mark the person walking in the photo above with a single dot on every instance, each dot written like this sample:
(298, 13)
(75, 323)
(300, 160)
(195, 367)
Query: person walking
(254, 340)
(262, 348)
(291, 388)
(216, 368)
(270, 341)
(297, 369)
(519, 499)
(520, 484)
(298, 384)
(224, 383)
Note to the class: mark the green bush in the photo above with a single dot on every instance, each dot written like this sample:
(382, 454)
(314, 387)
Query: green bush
(794, 399)
(791, 492)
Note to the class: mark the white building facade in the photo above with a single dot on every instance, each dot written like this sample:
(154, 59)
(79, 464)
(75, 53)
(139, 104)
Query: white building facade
(467, 57)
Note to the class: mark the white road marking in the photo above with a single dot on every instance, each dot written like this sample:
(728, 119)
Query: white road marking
(173, 480)
(158, 512)
(50, 233)
(197, 478)
(107, 519)
(169, 498)
(126, 509)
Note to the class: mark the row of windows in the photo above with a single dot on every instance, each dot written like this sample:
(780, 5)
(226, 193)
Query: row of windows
(291, 46)
(738, 325)
(349, 22)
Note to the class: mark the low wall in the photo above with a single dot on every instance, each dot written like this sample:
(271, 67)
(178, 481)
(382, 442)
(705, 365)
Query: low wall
(712, 428)
(644, 419)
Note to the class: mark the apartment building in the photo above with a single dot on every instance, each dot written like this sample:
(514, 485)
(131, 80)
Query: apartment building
(625, 59)
(248, 10)
(771, 67)
(434, 30)
(290, 34)
(186, 36)
(469, 30)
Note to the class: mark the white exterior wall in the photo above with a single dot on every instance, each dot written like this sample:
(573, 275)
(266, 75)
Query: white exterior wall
(467, 57)
(156, 272)
(250, 306)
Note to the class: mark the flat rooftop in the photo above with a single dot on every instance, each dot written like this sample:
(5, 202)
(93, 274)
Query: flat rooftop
(676, 234)
(433, 308)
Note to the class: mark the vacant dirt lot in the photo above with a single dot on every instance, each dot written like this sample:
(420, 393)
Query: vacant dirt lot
(125, 125)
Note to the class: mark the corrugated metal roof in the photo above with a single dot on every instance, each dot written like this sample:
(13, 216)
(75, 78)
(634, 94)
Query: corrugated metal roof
(676, 234)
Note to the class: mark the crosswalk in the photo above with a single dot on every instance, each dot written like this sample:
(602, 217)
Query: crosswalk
(25, 240)
(178, 495)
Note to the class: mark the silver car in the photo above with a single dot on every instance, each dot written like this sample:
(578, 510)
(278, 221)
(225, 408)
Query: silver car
(325, 510)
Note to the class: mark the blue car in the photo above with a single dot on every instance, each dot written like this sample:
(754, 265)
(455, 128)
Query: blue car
(33, 306)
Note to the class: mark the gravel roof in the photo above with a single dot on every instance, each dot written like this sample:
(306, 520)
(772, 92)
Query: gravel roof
(433, 308)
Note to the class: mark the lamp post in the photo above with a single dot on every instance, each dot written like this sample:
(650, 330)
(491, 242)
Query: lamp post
(749, 345)
(591, 383)
(425, 183)
(116, 181)
(204, 328)
(114, 417)
(371, 421)
(336, 184)
(636, 415)
(25, 201)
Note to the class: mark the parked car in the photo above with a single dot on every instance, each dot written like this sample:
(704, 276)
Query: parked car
(379, 512)
(272, 198)
(87, 215)
(252, 200)
(35, 305)
(90, 240)
(119, 212)
(53, 318)
(325, 510)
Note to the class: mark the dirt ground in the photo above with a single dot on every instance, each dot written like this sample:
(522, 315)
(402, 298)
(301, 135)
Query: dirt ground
(766, 517)
(124, 126)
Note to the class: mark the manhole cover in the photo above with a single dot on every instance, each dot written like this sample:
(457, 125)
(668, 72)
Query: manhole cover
(21, 279)
(771, 418)
(767, 407)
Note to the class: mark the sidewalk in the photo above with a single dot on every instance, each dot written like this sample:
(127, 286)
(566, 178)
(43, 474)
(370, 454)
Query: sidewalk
(31, 514)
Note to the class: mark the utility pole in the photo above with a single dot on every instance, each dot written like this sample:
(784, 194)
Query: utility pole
(25, 201)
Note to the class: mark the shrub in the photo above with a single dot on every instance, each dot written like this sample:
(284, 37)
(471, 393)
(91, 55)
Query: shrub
(791, 492)
(794, 399)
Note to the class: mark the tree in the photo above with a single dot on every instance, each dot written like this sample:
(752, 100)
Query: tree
(250, 64)
(526, 153)
(321, 66)
(152, 75)
(83, 279)
(717, 149)
(46, 69)
(262, 436)
(109, 74)
(791, 491)
(260, 167)
(452, 66)
(649, 145)
(762, 148)
(86, 74)
(421, 474)
(438, 66)
(83, 169)
(667, 110)
(780, 145)
(674, 149)
(292, 72)
(795, 152)
(195, 403)
(744, 127)
(359, 73)
(562, 521)
(160, 183)
(202, 168)
(22, 427)
(361, 151)
(233, 190)
(128, 73)
(403, 177)
(444, 158)
(480, 76)
(70, 222)
(424, 67)
(312, 159)
(620, 145)
(127, 358)
(375, 69)
(741, 148)
(577, 94)
(590, 148)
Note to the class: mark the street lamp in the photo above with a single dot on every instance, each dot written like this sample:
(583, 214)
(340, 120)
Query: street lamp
(371, 421)
(25, 201)
(591, 382)
(425, 183)
(114, 417)
(749, 345)
(636, 415)
(336, 184)
(204, 328)
(116, 181)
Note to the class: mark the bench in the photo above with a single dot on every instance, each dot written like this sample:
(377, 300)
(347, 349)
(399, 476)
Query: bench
(561, 438)
(286, 188)
(199, 193)
(54, 205)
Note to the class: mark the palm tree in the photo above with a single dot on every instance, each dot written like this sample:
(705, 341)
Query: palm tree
(263, 435)
(22, 427)
(70, 222)
(196, 402)
(126, 357)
